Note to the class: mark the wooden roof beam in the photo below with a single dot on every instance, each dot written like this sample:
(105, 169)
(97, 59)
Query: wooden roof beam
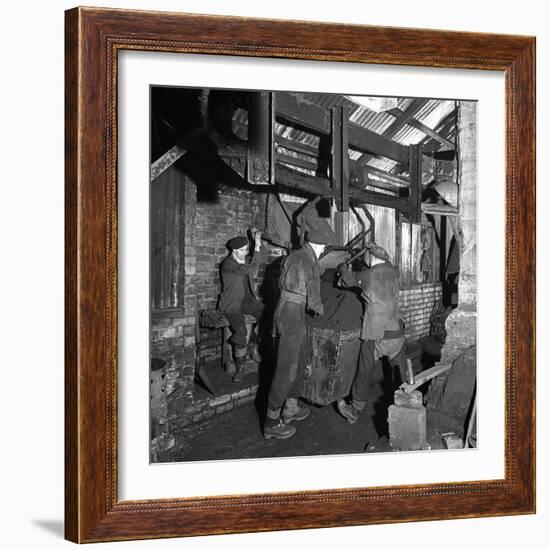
(442, 128)
(423, 128)
(405, 118)
(298, 110)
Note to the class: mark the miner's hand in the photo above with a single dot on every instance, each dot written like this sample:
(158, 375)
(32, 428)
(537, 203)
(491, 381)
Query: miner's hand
(340, 268)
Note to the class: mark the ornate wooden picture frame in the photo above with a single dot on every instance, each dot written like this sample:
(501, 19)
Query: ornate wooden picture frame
(94, 37)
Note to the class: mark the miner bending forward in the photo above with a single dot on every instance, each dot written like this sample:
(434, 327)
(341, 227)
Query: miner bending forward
(382, 330)
(239, 298)
(299, 285)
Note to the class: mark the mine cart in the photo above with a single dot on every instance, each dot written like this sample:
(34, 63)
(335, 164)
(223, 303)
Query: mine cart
(331, 364)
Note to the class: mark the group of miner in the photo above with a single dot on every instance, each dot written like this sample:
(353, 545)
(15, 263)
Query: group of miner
(382, 330)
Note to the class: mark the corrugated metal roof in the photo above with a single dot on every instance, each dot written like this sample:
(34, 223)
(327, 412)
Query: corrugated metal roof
(431, 114)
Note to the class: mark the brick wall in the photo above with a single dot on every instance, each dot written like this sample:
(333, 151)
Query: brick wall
(416, 302)
(208, 225)
(212, 225)
(166, 339)
(207, 408)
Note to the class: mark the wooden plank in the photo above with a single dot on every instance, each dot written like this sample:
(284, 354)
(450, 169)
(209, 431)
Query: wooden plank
(439, 209)
(365, 140)
(294, 145)
(384, 222)
(360, 178)
(415, 186)
(416, 253)
(296, 109)
(396, 180)
(175, 153)
(405, 241)
(297, 161)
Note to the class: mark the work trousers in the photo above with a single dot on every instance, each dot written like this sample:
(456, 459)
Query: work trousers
(365, 367)
(288, 379)
(250, 306)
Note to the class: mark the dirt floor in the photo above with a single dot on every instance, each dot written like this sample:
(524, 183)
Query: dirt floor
(237, 434)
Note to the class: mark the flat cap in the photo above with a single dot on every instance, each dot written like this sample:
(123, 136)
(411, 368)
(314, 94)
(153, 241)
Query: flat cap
(317, 236)
(237, 242)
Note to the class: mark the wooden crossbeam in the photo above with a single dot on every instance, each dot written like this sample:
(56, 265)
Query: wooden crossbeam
(310, 164)
(294, 108)
(439, 209)
(315, 185)
(396, 180)
(294, 145)
(176, 152)
(423, 128)
(441, 128)
(366, 140)
(405, 118)
(362, 175)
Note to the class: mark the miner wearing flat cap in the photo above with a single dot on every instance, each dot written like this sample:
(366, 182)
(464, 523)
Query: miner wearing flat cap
(382, 330)
(300, 295)
(238, 297)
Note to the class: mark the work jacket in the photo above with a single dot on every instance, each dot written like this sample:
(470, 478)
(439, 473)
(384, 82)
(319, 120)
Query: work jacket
(380, 292)
(300, 279)
(237, 281)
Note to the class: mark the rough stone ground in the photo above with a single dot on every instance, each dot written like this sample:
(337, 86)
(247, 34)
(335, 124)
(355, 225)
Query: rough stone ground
(237, 434)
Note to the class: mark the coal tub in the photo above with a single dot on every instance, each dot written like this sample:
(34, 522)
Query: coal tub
(332, 344)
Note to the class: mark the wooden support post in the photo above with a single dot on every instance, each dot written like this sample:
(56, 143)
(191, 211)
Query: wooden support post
(443, 248)
(415, 187)
(340, 156)
(260, 159)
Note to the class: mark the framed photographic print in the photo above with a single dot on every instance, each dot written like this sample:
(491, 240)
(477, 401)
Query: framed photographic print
(299, 275)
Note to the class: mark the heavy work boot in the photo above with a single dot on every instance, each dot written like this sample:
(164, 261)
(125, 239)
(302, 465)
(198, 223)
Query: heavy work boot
(253, 340)
(240, 360)
(293, 411)
(351, 411)
(255, 354)
(276, 427)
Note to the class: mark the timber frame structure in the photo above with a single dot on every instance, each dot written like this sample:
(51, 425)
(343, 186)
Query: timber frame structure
(326, 169)
(94, 511)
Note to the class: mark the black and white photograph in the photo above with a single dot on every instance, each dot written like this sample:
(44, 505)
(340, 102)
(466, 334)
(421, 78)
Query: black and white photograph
(312, 274)
(274, 274)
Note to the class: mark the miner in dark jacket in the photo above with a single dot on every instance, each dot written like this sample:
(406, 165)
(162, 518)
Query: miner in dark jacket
(299, 284)
(238, 296)
(382, 331)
